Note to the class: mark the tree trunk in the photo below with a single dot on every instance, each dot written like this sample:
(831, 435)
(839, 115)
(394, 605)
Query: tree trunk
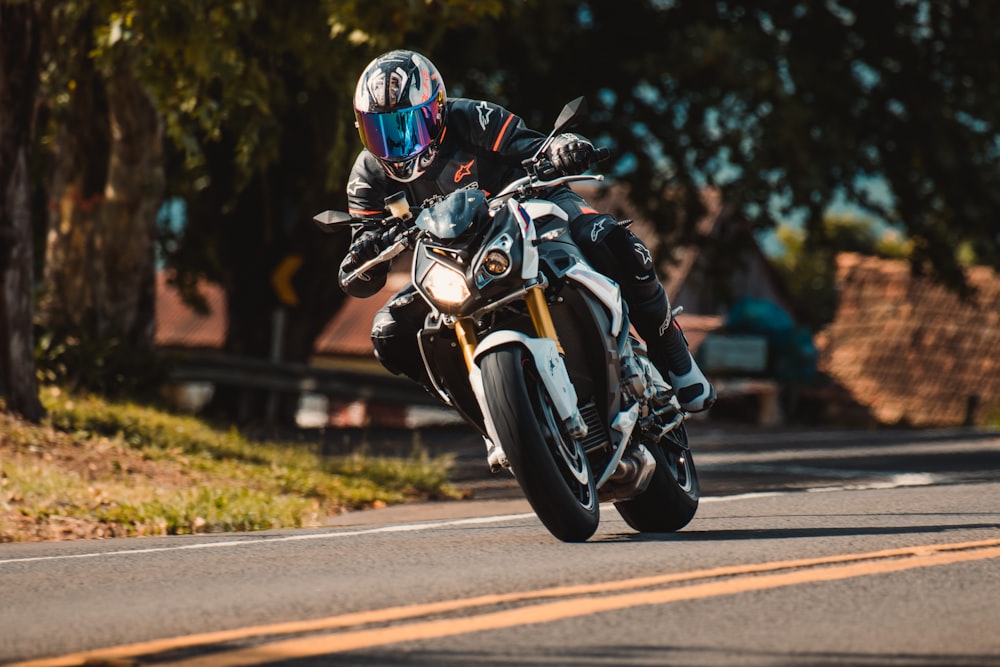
(19, 68)
(132, 199)
(107, 188)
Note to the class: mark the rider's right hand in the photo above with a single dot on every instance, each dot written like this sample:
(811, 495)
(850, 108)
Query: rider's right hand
(570, 154)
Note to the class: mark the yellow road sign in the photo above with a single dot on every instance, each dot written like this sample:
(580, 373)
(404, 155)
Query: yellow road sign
(281, 279)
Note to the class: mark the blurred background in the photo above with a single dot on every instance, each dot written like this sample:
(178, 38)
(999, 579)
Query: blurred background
(820, 181)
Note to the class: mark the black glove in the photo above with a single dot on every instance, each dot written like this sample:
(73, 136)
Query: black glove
(367, 247)
(570, 154)
(370, 244)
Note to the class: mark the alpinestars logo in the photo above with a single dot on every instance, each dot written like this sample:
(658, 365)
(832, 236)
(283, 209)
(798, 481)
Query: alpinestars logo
(485, 111)
(642, 252)
(464, 170)
(355, 185)
(595, 233)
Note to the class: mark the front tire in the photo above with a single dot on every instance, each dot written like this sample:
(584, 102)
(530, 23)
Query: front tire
(671, 499)
(551, 467)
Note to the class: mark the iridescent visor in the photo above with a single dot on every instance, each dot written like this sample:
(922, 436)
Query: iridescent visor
(399, 135)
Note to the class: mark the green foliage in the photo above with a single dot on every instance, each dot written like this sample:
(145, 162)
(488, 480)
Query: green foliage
(157, 432)
(50, 496)
(419, 472)
(235, 71)
(106, 366)
(799, 101)
(256, 98)
(808, 262)
(211, 510)
(130, 469)
(785, 106)
(162, 434)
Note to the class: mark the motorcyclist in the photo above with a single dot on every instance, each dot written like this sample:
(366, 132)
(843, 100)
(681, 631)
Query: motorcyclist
(419, 141)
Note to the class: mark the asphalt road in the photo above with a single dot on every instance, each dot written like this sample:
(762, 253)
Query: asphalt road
(808, 549)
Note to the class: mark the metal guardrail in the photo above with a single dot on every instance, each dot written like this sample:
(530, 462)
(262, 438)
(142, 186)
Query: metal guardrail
(285, 377)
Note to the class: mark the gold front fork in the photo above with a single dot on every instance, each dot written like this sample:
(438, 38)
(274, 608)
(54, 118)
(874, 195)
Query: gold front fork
(465, 329)
(541, 317)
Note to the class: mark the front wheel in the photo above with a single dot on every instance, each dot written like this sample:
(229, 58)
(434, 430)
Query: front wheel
(551, 467)
(671, 499)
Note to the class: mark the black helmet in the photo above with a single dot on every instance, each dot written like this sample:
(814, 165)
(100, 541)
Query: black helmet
(399, 106)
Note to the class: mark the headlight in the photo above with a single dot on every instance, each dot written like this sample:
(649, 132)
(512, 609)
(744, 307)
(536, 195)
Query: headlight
(446, 285)
(496, 262)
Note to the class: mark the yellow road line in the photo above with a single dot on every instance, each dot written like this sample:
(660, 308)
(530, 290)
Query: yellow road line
(568, 604)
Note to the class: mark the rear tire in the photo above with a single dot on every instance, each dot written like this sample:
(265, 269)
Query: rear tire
(551, 468)
(671, 499)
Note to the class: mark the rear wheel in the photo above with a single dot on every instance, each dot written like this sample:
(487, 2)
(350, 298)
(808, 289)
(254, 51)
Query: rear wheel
(551, 467)
(671, 499)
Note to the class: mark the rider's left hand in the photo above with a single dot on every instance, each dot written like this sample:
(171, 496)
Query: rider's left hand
(374, 242)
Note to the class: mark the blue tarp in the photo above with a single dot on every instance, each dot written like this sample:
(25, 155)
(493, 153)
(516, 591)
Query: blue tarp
(791, 352)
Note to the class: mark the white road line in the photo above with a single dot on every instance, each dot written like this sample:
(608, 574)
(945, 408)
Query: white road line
(258, 541)
(813, 471)
(894, 482)
(744, 496)
(747, 457)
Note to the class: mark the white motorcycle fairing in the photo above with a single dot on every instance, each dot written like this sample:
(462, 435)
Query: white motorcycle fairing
(551, 369)
(603, 288)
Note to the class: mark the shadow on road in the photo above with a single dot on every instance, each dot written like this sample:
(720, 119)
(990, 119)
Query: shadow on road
(650, 655)
(729, 535)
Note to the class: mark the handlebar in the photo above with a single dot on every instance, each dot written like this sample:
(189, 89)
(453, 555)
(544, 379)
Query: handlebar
(528, 184)
(525, 185)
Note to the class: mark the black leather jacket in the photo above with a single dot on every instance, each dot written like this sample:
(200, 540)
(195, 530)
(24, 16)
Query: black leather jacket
(482, 143)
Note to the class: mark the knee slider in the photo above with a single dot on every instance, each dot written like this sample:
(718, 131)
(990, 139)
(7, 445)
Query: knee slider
(386, 343)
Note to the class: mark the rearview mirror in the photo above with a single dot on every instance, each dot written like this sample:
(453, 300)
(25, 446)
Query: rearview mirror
(570, 114)
(331, 221)
(332, 218)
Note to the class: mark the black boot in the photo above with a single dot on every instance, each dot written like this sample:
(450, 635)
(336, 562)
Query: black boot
(620, 255)
(649, 311)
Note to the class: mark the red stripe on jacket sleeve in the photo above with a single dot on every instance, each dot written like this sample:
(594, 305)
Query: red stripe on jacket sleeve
(496, 146)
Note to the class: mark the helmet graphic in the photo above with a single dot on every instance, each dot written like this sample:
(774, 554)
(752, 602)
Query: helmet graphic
(399, 105)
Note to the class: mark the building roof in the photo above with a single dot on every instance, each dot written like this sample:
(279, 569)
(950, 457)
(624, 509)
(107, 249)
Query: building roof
(178, 325)
(349, 331)
(910, 350)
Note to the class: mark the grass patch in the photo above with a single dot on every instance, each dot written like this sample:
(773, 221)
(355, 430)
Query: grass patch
(100, 469)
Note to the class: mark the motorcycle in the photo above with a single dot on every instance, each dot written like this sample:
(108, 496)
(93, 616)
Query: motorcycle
(533, 348)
